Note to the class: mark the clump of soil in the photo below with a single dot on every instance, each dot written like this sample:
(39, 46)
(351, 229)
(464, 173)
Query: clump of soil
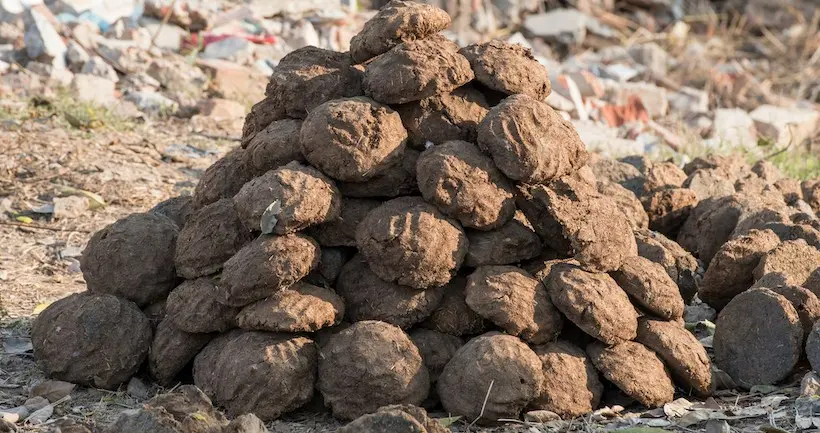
(396, 180)
(353, 139)
(223, 179)
(410, 242)
(445, 117)
(465, 185)
(406, 74)
(274, 146)
(132, 258)
(651, 287)
(755, 319)
(396, 418)
(369, 365)
(265, 266)
(501, 361)
(172, 350)
(308, 77)
(95, 340)
(571, 384)
(512, 243)
(627, 203)
(797, 260)
(635, 370)
(258, 372)
(508, 68)
(398, 21)
(193, 307)
(301, 308)
(368, 297)
(306, 198)
(515, 302)
(453, 316)
(529, 141)
(593, 302)
(213, 234)
(681, 351)
(679, 263)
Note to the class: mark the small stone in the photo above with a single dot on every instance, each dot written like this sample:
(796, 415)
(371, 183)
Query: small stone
(786, 126)
(152, 102)
(652, 56)
(654, 98)
(810, 384)
(717, 426)
(218, 109)
(41, 415)
(52, 390)
(98, 67)
(77, 56)
(138, 389)
(70, 207)
(94, 89)
(734, 128)
(540, 416)
(36, 403)
(43, 43)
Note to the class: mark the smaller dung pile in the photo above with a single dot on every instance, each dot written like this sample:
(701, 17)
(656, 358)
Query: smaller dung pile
(404, 224)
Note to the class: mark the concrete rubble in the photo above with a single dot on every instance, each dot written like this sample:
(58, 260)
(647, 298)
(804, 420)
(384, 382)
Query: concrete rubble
(636, 73)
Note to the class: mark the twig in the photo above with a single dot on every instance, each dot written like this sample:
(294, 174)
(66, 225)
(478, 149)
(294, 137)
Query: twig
(36, 226)
(483, 405)
(164, 22)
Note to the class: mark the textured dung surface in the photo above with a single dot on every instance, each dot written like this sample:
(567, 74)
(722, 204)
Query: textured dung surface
(710, 183)
(248, 423)
(465, 184)
(415, 70)
(599, 234)
(330, 266)
(309, 77)
(651, 287)
(262, 114)
(132, 258)
(193, 307)
(257, 372)
(798, 261)
(758, 338)
(274, 146)
(813, 347)
(172, 350)
(668, 209)
(663, 175)
(444, 117)
(731, 270)
(306, 196)
(790, 188)
(95, 340)
(594, 302)
(504, 361)
(341, 232)
(265, 266)
(353, 139)
(177, 209)
(223, 179)
(709, 226)
(369, 365)
(626, 175)
(436, 349)
(395, 418)
(301, 308)
(804, 302)
(811, 193)
(682, 266)
(396, 180)
(185, 410)
(681, 351)
(571, 384)
(515, 302)
(626, 201)
(398, 21)
(213, 234)
(453, 316)
(635, 370)
(368, 297)
(513, 242)
(410, 242)
(529, 141)
(508, 68)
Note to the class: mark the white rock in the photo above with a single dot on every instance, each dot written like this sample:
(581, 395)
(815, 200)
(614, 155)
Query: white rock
(654, 98)
(91, 88)
(733, 128)
(77, 56)
(601, 138)
(43, 43)
(269, 8)
(100, 68)
(302, 34)
(152, 102)
(567, 25)
(59, 76)
(786, 125)
(652, 56)
(169, 37)
(236, 49)
(689, 100)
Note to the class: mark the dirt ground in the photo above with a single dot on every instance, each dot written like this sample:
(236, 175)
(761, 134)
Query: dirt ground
(131, 166)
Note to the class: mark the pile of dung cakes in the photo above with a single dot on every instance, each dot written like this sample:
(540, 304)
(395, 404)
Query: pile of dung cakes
(404, 224)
